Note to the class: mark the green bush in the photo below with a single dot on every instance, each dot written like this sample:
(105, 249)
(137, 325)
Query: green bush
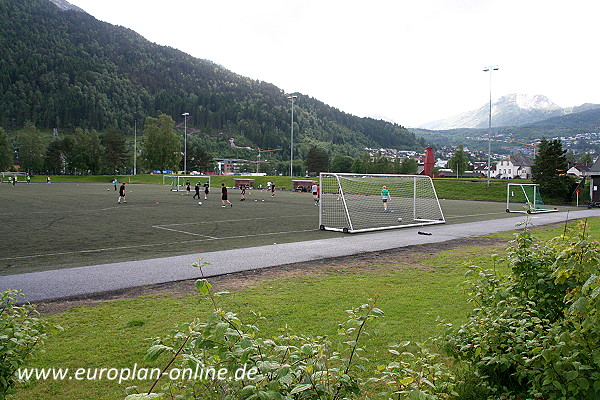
(536, 332)
(22, 334)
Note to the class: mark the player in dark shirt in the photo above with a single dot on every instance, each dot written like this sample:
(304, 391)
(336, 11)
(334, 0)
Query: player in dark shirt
(122, 193)
(224, 196)
(206, 190)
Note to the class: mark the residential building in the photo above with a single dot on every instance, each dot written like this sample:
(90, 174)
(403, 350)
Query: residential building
(514, 166)
(579, 169)
(594, 174)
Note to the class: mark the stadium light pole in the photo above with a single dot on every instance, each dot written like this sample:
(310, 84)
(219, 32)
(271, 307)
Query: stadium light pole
(185, 115)
(292, 97)
(490, 69)
(135, 147)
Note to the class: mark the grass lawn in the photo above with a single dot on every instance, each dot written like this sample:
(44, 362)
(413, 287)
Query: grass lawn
(415, 286)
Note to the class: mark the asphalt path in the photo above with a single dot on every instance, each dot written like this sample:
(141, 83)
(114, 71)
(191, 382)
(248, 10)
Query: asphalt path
(71, 282)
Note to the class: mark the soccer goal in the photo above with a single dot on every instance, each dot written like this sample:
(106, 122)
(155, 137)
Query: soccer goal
(177, 182)
(525, 198)
(354, 202)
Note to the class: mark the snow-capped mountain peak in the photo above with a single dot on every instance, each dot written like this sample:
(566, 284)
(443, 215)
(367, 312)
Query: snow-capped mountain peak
(509, 110)
(529, 102)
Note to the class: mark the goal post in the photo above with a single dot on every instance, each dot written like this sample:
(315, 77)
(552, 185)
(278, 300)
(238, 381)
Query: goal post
(354, 202)
(177, 182)
(525, 198)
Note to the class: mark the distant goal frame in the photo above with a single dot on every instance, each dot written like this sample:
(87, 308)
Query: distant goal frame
(533, 199)
(178, 181)
(346, 206)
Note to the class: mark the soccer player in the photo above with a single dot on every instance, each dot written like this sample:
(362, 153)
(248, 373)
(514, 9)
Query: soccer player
(206, 190)
(188, 187)
(224, 196)
(273, 189)
(315, 192)
(122, 193)
(197, 190)
(243, 192)
(385, 195)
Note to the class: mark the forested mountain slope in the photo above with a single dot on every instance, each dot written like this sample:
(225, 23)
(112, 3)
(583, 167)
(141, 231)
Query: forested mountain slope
(65, 69)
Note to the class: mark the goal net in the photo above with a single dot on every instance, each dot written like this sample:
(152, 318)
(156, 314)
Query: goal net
(178, 182)
(355, 202)
(525, 198)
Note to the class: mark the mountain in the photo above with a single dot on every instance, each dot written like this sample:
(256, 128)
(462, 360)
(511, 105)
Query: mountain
(510, 110)
(62, 68)
(574, 123)
(579, 132)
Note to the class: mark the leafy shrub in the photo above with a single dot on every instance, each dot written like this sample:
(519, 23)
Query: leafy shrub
(22, 333)
(536, 332)
(415, 374)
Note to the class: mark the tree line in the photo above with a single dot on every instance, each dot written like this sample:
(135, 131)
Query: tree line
(160, 147)
(88, 152)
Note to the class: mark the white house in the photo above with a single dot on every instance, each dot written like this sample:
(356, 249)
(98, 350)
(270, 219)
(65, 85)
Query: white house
(514, 166)
(579, 169)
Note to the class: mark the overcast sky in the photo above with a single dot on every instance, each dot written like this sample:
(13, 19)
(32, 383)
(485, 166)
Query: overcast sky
(409, 61)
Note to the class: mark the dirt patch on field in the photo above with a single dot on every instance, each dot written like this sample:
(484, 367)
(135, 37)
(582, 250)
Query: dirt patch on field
(379, 261)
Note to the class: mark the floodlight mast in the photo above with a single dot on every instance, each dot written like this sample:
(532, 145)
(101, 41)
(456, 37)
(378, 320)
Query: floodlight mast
(135, 147)
(292, 97)
(185, 115)
(490, 69)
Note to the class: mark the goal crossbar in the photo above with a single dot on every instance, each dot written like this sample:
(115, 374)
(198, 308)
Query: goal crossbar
(355, 203)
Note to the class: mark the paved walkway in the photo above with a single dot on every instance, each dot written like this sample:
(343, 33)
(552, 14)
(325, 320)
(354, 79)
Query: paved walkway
(107, 277)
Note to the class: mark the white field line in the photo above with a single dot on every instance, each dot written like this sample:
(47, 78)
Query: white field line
(206, 239)
(231, 220)
(165, 226)
(178, 231)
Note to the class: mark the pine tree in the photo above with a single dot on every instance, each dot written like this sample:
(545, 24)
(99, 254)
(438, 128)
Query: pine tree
(550, 171)
(317, 160)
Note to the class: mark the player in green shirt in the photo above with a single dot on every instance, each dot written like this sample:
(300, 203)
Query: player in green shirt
(385, 195)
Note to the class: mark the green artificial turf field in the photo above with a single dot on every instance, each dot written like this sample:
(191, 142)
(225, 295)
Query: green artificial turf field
(61, 225)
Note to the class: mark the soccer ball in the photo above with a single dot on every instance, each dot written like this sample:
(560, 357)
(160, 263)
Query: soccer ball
(399, 219)
(199, 203)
